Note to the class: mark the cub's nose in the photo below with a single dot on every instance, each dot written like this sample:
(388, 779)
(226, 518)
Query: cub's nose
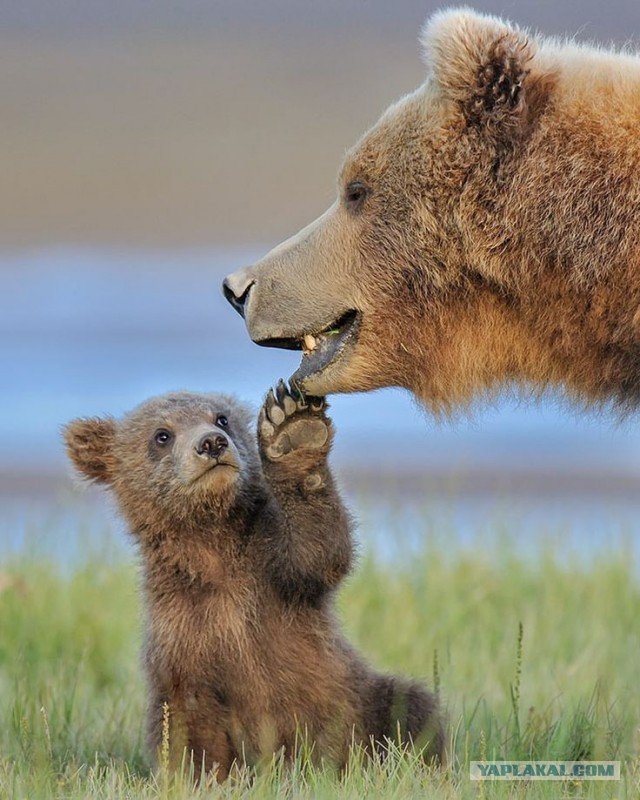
(236, 288)
(212, 445)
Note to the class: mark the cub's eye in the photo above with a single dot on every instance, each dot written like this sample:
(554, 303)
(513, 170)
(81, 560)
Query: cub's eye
(162, 436)
(222, 421)
(355, 194)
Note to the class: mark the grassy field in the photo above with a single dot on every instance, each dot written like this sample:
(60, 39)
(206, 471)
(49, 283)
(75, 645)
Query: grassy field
(534, 657)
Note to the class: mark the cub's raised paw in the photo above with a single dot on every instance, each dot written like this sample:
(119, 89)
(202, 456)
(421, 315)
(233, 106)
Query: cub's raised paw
(290, 423)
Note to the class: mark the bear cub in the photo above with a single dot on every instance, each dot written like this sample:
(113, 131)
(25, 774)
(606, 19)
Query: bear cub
(243, 542)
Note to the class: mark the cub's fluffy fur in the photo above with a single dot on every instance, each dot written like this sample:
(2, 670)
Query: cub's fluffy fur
(242, 547)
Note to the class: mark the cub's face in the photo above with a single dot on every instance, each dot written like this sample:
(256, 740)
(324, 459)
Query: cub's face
(174, 458)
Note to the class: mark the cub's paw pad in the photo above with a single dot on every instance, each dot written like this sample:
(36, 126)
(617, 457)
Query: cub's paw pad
(288, 421)
(313, 482)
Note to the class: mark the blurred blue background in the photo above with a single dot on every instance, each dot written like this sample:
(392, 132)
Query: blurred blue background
(149, 149)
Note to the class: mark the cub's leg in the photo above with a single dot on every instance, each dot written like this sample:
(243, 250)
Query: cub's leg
(311, 549)
(404, 711)
(182, 733)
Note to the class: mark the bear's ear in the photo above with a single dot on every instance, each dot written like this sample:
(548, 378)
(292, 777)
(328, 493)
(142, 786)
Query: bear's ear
(481, 63)
(90, 447)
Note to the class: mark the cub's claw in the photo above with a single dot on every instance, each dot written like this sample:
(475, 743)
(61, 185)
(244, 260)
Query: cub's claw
(290, 422)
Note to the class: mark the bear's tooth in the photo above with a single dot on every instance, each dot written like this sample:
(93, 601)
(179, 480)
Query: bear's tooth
(309, 342)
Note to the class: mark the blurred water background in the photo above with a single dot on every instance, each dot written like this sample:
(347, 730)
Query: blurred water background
(149, 149)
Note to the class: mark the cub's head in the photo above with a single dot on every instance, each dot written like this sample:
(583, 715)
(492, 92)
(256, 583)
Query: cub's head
(177, 458)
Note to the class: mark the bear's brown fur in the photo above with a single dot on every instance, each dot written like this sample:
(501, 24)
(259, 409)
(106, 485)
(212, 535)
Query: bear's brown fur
(485, 231)
(242, 547)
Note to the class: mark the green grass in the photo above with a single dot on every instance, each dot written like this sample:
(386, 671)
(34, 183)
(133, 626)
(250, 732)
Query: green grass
(535, 657)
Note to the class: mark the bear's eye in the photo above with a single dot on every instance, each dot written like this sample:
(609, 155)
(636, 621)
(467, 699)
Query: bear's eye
(162, 436)
(222, 421)
(355, 194)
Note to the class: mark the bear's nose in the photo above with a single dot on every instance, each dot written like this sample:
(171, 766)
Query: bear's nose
(236, 288)
(212, 445)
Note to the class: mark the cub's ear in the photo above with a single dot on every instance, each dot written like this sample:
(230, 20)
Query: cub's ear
(89, 445)
(481, 63)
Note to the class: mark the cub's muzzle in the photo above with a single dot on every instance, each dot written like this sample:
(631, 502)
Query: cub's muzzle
(212, 445)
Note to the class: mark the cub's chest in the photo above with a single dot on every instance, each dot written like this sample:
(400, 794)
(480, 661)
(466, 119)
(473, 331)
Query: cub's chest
(192, 631)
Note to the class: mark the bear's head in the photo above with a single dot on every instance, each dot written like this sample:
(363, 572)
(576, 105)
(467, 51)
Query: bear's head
(392, 283)
(177, 459)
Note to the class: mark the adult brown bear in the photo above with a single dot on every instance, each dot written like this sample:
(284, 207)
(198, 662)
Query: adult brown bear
(486, 231)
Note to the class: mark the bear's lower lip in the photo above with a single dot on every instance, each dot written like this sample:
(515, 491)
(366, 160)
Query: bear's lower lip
(213, 468)
(330, 346)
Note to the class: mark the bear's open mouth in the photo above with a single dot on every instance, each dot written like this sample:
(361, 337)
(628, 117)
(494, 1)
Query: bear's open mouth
(322, 348)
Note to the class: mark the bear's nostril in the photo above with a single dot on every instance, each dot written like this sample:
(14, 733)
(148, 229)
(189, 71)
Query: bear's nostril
(212, 445)
(236, 292)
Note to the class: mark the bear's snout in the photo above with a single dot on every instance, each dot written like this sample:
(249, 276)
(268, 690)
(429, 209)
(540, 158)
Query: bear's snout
(236, 288)
(212, 445)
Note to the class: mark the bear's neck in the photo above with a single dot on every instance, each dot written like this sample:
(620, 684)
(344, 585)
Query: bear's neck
(550, 333)
(194, 554)
(586, 335)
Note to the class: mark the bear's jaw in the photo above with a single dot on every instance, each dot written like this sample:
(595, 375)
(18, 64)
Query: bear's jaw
(321, 350)
(324, 350)
(218, 472)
